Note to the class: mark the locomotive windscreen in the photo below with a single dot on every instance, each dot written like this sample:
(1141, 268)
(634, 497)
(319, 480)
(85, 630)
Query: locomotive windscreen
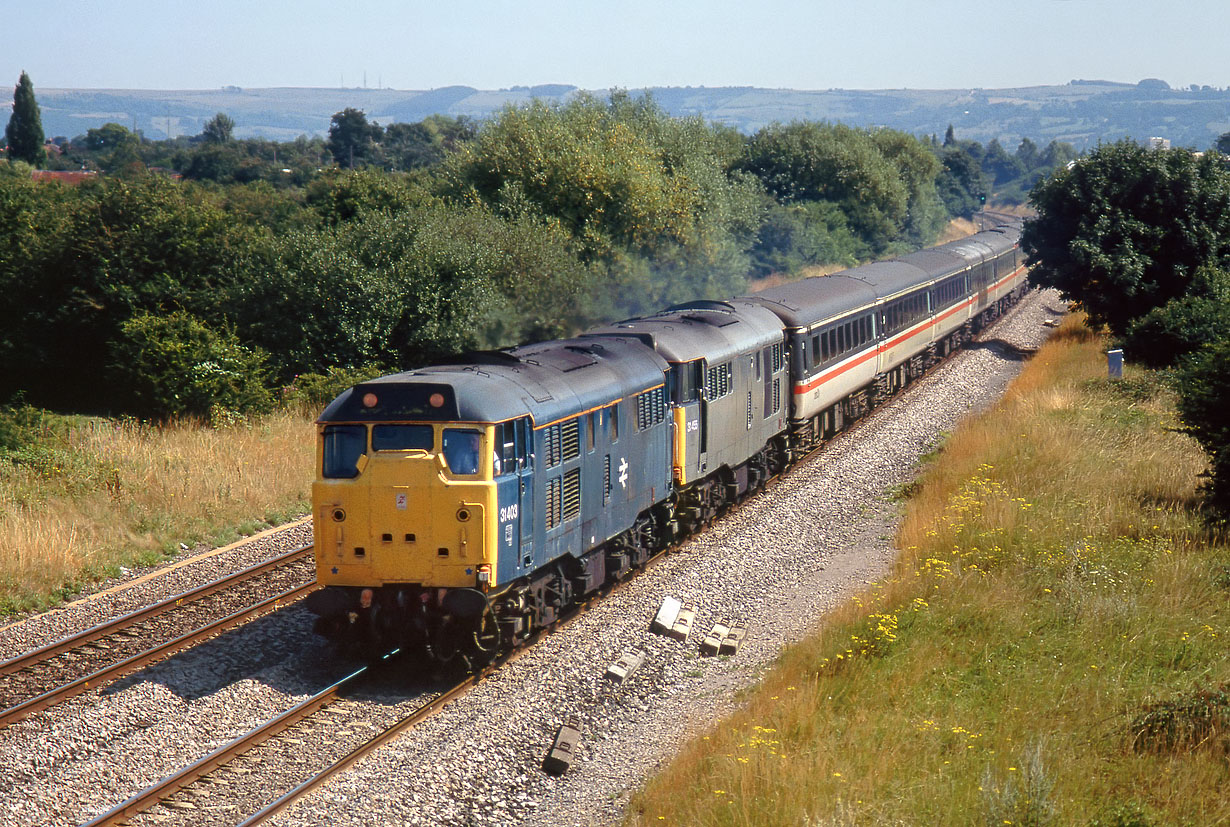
(388, 401)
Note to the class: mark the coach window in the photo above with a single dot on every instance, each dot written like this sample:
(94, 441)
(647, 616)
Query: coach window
(818, 354)
(344, 446)
(824, 347)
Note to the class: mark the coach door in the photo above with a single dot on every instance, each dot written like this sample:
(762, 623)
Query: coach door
(983, 280)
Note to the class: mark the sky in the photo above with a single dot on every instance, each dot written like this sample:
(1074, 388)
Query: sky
(495, 44)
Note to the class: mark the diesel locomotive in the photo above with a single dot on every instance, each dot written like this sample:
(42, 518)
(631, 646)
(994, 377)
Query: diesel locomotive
(461, 507)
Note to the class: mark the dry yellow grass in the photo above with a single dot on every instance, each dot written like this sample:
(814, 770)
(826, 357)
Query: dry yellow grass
(957, 228)
(117, 493)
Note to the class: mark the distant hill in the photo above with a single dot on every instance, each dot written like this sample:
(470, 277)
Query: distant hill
(1082, 112)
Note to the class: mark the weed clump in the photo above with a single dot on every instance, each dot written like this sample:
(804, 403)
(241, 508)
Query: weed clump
(1200, 720)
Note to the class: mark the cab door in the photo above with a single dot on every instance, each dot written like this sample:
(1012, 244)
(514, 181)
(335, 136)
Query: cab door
(514, 492)
(689, 418)
(522, 435)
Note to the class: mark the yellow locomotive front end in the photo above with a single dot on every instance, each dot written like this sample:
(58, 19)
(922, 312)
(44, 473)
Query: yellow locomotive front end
(404, 514)
(399, 503)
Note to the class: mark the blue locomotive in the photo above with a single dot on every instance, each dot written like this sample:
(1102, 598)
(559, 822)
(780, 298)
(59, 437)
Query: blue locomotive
(461, 507)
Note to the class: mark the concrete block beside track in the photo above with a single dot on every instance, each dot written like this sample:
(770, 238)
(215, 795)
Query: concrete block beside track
(734, 638)
(713, 641)
(563, 748)
(683, 623)
(667, 615)
(628, 662)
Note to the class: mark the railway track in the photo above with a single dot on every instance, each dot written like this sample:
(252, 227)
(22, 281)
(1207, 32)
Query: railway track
(54, 673)
(272, 756)
(337, 725)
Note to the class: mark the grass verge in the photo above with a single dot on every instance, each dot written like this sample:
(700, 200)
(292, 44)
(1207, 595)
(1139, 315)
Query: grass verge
(1051, 648)
(86, 496)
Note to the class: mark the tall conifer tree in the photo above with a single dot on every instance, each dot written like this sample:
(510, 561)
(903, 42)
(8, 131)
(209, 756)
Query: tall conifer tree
(24, 134)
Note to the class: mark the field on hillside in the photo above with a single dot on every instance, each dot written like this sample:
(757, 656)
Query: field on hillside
(1051, 648)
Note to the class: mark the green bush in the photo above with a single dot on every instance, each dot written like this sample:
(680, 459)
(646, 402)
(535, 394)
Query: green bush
(315, 390)
(176, 365)
(1181, 326)
(1204, 403)
(24, 425)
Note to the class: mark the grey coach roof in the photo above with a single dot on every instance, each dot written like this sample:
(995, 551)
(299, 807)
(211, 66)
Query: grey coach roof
(803, 303)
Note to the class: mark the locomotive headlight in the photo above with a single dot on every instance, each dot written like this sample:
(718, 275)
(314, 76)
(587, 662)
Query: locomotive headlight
(463, 515)
(484, 573)
(338, 515)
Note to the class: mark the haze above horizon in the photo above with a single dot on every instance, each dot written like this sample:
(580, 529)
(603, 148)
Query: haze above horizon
(496, 44)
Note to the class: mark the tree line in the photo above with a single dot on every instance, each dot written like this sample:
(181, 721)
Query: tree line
(211, 273)
(1141, 239)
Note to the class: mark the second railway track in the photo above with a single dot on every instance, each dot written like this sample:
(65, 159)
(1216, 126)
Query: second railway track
(53, 673)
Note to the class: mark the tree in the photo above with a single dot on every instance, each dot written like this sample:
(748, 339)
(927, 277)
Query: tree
(1124, 230)
(351, 138)
(1002, 166)
(1164, 335)
(962, 184)
(113, 146)
(1027, 155)
(1222, 144)
(24, 134)
(111, 250)
(809, 161)
(1204, 399)
(218, 129)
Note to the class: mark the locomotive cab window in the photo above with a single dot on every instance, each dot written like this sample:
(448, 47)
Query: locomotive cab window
(506, 457)
(344, 445)
(686, 381)
(402, 438)
(462, 450)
